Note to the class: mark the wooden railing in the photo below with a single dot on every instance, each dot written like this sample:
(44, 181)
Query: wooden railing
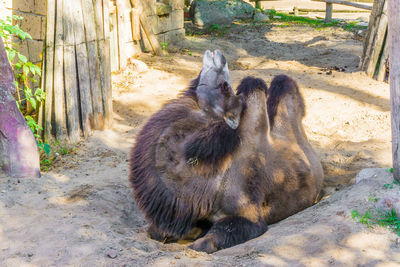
(329, 6)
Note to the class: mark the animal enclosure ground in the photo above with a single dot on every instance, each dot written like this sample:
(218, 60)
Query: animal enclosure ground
(81, 212)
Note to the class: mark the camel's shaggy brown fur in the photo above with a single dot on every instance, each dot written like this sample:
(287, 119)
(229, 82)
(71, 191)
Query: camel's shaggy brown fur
(268, 175)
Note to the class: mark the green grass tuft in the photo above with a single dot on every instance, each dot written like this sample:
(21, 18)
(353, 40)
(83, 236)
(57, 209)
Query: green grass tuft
(374, 216)
(289, 20)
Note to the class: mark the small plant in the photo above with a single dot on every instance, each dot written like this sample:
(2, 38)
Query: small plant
(188, 51)
(58, 149)
(24, 72)
(391, 185)
(214, 27)
(164, 46)
(374, 216)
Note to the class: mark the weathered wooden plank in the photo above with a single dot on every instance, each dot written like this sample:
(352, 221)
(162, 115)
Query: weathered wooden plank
(107, 97)
(394, 54)
(42, 82)
(135, 24)
(49, 66)
(125, 41)
(378, 42)
(88, 19)
(70, 76)
(98, 18)
(85, 99)
(369, 38)
(59, 109)
(106, 19)
(383, 61)
(94, 64)
(114, 43)
(95, 86)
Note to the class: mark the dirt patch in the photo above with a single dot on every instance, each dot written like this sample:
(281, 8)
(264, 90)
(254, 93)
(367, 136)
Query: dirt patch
(81, 213)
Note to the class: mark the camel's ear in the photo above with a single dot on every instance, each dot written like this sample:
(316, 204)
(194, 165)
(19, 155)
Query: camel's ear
(225, 89)
(219, 60)
(208, 61)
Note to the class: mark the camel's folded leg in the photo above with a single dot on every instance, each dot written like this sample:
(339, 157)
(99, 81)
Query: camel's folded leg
(228, 232)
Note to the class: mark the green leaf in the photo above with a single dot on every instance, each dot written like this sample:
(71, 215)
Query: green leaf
(26, 70)
(46, 148)
(33, 103)
(22, 58)
(11, 54)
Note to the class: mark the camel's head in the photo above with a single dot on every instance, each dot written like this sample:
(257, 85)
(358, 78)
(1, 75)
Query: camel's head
(214, 91)
(232, 106)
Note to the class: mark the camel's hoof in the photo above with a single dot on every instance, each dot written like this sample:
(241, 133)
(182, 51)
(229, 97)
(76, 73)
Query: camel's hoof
(205, 244)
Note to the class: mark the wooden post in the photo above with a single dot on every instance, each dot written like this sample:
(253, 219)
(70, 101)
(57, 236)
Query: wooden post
(394, 60)
(258, 5)
(328, 12)
(296, 11)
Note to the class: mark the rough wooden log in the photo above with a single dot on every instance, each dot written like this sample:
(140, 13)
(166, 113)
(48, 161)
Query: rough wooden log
(19, 154)
(94, 64)
(70, 81)
(85, 99)
(155, 45)
(378, 42)
(59, 108)
(394, 54)
(369, 38)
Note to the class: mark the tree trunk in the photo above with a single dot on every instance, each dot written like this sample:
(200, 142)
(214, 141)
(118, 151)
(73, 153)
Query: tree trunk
(394, 60)
(19, 154)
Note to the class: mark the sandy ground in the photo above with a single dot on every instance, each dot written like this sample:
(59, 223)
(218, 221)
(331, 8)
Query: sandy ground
(81, 213)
